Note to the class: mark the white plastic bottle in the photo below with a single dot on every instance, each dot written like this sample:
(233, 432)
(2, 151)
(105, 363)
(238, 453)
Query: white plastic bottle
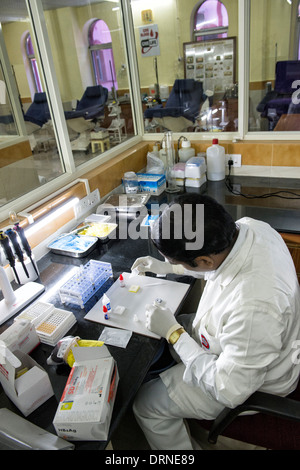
(186, 151)
(163, 154)
(215, 162)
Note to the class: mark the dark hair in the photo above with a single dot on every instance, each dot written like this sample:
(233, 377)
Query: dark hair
(219, 229)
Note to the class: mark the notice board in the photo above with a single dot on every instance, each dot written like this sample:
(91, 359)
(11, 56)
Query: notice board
(211, 62)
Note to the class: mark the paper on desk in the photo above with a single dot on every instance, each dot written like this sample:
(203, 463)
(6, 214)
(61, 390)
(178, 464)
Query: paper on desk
(115, 337)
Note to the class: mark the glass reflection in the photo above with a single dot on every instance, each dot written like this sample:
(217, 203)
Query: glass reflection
(7, 121)
(30, 160)
(274, 98)
(187, 61)
(90, 65)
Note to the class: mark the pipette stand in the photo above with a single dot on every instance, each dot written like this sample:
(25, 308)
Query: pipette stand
(16, 300)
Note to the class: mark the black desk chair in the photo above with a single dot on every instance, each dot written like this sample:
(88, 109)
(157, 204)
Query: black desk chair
(276, 426)
(277, 102)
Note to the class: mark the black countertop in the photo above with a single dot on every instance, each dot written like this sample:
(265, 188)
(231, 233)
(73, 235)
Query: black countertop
(134, 361)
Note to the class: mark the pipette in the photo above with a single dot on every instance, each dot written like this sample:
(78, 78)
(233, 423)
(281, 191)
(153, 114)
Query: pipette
(13, 238)
(26, 246)
(8, 253)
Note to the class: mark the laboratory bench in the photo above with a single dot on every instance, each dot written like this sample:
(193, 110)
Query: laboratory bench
(138, 357)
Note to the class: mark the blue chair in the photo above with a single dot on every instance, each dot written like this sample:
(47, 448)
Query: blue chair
(38, 112)
(184, 102)
(91, 105)
(277, 102)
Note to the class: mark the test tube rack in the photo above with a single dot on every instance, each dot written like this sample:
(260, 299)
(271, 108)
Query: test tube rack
(95, 277)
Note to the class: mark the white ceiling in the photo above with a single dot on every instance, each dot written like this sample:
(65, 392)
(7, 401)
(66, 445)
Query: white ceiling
(11, 10)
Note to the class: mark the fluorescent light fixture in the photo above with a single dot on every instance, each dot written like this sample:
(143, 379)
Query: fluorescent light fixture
(36, 226)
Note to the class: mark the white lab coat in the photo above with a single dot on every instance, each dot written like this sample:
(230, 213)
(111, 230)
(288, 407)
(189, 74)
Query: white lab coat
(246, 327)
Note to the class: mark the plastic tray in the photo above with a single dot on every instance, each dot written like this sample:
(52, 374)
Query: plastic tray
(55, 325)
(108, 230)
(36, 312)
(51, 324)
(73, 245)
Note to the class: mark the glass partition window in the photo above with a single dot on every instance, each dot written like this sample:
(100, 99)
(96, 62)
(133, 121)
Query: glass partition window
(274, 104)
(7, 120)
(188, 64)
(89, 58)
(29, 155)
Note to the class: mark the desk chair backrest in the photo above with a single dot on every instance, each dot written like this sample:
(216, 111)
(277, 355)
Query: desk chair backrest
(93, 96)
(38, 112)
(286, 73)
(186, 94)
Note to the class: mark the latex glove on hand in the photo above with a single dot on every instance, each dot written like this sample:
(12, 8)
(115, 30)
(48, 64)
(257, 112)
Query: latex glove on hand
(153, 265)
(161, 321)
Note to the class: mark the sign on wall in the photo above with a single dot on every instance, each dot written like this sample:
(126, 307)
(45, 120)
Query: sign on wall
(211, 62)
(149, 40)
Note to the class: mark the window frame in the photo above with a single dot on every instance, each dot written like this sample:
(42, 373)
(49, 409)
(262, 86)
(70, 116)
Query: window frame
(40, 36)
(207, 31)
(103, 68)
(35, 74)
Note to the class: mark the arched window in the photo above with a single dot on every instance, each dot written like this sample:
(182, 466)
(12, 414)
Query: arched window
(100, 45)
(33, 64)
(210, 21)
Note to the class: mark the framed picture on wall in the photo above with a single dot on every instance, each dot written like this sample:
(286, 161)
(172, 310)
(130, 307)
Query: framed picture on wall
(211, 62)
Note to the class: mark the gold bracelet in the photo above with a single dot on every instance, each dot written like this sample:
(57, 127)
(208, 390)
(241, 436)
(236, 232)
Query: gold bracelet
(175, 335)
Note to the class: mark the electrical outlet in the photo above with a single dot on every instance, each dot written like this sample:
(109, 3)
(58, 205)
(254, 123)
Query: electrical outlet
(236, 158)
(87, 203)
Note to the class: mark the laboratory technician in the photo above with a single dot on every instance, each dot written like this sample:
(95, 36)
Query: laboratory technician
(243, 335)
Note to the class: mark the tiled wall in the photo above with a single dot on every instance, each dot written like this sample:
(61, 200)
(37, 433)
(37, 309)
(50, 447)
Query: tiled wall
(261, 153)
(108, 176)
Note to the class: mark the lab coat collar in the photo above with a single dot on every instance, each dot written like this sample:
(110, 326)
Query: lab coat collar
(227, 271)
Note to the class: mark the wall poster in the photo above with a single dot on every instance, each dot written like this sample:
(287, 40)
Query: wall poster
(149, 40)
(211, 62)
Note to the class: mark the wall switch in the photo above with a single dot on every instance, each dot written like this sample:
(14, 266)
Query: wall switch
(236, 158)
(87, 203)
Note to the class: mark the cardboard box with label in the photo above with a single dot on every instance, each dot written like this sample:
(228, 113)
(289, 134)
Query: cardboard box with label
(24, 381)
(21, 336)
(86, 405)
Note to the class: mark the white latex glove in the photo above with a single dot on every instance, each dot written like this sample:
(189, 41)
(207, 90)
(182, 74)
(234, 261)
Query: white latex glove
(161, 321)
(153, 265)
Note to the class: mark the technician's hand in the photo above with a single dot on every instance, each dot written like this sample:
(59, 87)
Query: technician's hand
(160, 321)
(153, 265)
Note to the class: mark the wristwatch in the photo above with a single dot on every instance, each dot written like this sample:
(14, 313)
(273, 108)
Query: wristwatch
(173, 338)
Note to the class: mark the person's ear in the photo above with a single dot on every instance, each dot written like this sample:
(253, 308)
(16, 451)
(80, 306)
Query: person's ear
(205, 263)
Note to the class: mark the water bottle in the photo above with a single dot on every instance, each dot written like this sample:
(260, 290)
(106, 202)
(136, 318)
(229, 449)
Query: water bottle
(215, 162)
(130, 182)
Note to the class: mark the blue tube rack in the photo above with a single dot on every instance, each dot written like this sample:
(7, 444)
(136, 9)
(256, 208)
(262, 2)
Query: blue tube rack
(95, 277)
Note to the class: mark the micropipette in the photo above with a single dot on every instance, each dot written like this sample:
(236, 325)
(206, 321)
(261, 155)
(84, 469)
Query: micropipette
(8, 253)
(13, 238)
(26, 246)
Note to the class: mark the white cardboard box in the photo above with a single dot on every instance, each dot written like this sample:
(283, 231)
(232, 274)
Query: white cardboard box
(21, 335)
(31, 389)
(86, 405)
